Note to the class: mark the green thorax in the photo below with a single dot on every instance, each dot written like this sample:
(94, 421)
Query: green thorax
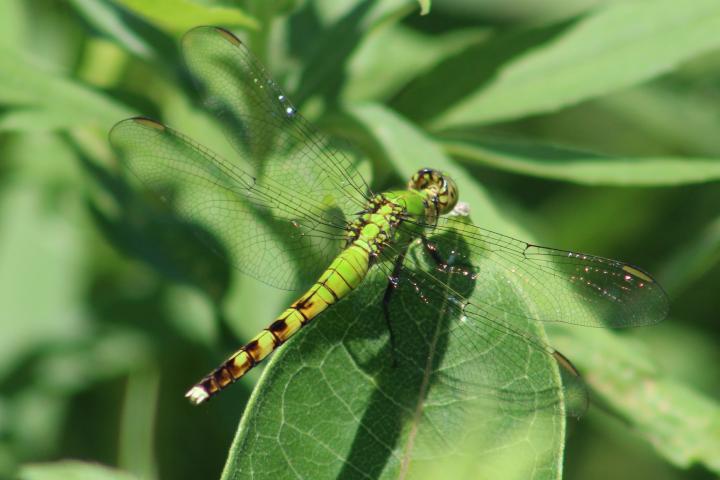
(430, 193)
(378, 224)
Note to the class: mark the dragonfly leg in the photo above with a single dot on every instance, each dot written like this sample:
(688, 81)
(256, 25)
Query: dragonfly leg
(393, 281)
(432, 251)
(441, 263)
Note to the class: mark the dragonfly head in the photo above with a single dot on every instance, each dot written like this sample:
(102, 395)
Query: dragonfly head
(439, 187)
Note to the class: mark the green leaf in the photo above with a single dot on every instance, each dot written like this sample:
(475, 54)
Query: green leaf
(330, 404)
(108, 20)
(326, 53)
(12, 21)
(577, 166)
(460, 75)
(176, 16)
(424, 7)
(682, 424)
(71, 470)
(691, 261)
(33, 120)
(615, 47)
(33, 239)
(655, 109)
(391, 55)
(53, 100)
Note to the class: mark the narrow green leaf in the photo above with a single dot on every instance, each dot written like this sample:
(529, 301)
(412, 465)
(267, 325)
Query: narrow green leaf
(33, 120)
(136, 452)
(424, 6)
(106, 19)
(460, 75)
(587, 168)
(613, 48)
(682, 424)
(35, 239)
(326, 53)
(390, 56)
(691, 261)
(176, 16)
(71, 470)
(12, 21)
(58, 101)
(655, 109)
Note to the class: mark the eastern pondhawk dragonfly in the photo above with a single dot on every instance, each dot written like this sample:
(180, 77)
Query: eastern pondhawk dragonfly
(293, 206)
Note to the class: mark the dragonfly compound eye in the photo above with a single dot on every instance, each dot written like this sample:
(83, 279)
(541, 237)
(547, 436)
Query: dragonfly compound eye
(438, 185)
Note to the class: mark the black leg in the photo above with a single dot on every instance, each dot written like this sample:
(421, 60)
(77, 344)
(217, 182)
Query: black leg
(389, 290)
(441, 263)
(432, 251)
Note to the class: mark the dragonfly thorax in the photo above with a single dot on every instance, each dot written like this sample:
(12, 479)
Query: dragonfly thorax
(377, 224)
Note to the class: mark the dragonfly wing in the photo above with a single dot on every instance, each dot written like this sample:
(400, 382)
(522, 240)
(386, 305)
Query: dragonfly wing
(266, 231)
(485, 363)
(561, 286)
(264, 127)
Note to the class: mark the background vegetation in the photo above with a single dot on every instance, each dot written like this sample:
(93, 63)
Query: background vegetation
(578, 123)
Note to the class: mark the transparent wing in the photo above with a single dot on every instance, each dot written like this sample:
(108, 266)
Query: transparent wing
(492, 289)
(268, 232)
(483, 360)
(265, 128)
(561, 286)
(279, 207)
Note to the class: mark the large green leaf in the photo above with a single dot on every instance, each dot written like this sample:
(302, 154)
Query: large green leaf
(549, 161)
(331, 404)
(613, 48)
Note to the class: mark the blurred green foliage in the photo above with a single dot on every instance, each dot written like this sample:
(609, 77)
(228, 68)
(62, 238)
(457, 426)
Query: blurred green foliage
(581, 124)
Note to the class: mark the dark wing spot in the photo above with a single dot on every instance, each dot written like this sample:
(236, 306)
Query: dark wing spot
(229, 36)
(149, 122)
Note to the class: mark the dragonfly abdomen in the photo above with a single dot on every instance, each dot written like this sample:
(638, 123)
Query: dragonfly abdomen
(343, 275)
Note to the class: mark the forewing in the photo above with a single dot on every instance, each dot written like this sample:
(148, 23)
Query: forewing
(266, 231)
(264, 127)
(562, 286)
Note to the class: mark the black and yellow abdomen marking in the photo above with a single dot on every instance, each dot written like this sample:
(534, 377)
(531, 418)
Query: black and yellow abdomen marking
(342, 276)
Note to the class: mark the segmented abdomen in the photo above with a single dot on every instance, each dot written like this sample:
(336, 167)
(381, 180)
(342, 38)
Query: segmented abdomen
(343, 275)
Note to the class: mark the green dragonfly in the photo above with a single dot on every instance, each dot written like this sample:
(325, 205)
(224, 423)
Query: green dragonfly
(292, 206)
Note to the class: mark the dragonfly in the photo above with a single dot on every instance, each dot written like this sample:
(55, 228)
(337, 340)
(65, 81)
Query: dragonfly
(293, 206)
